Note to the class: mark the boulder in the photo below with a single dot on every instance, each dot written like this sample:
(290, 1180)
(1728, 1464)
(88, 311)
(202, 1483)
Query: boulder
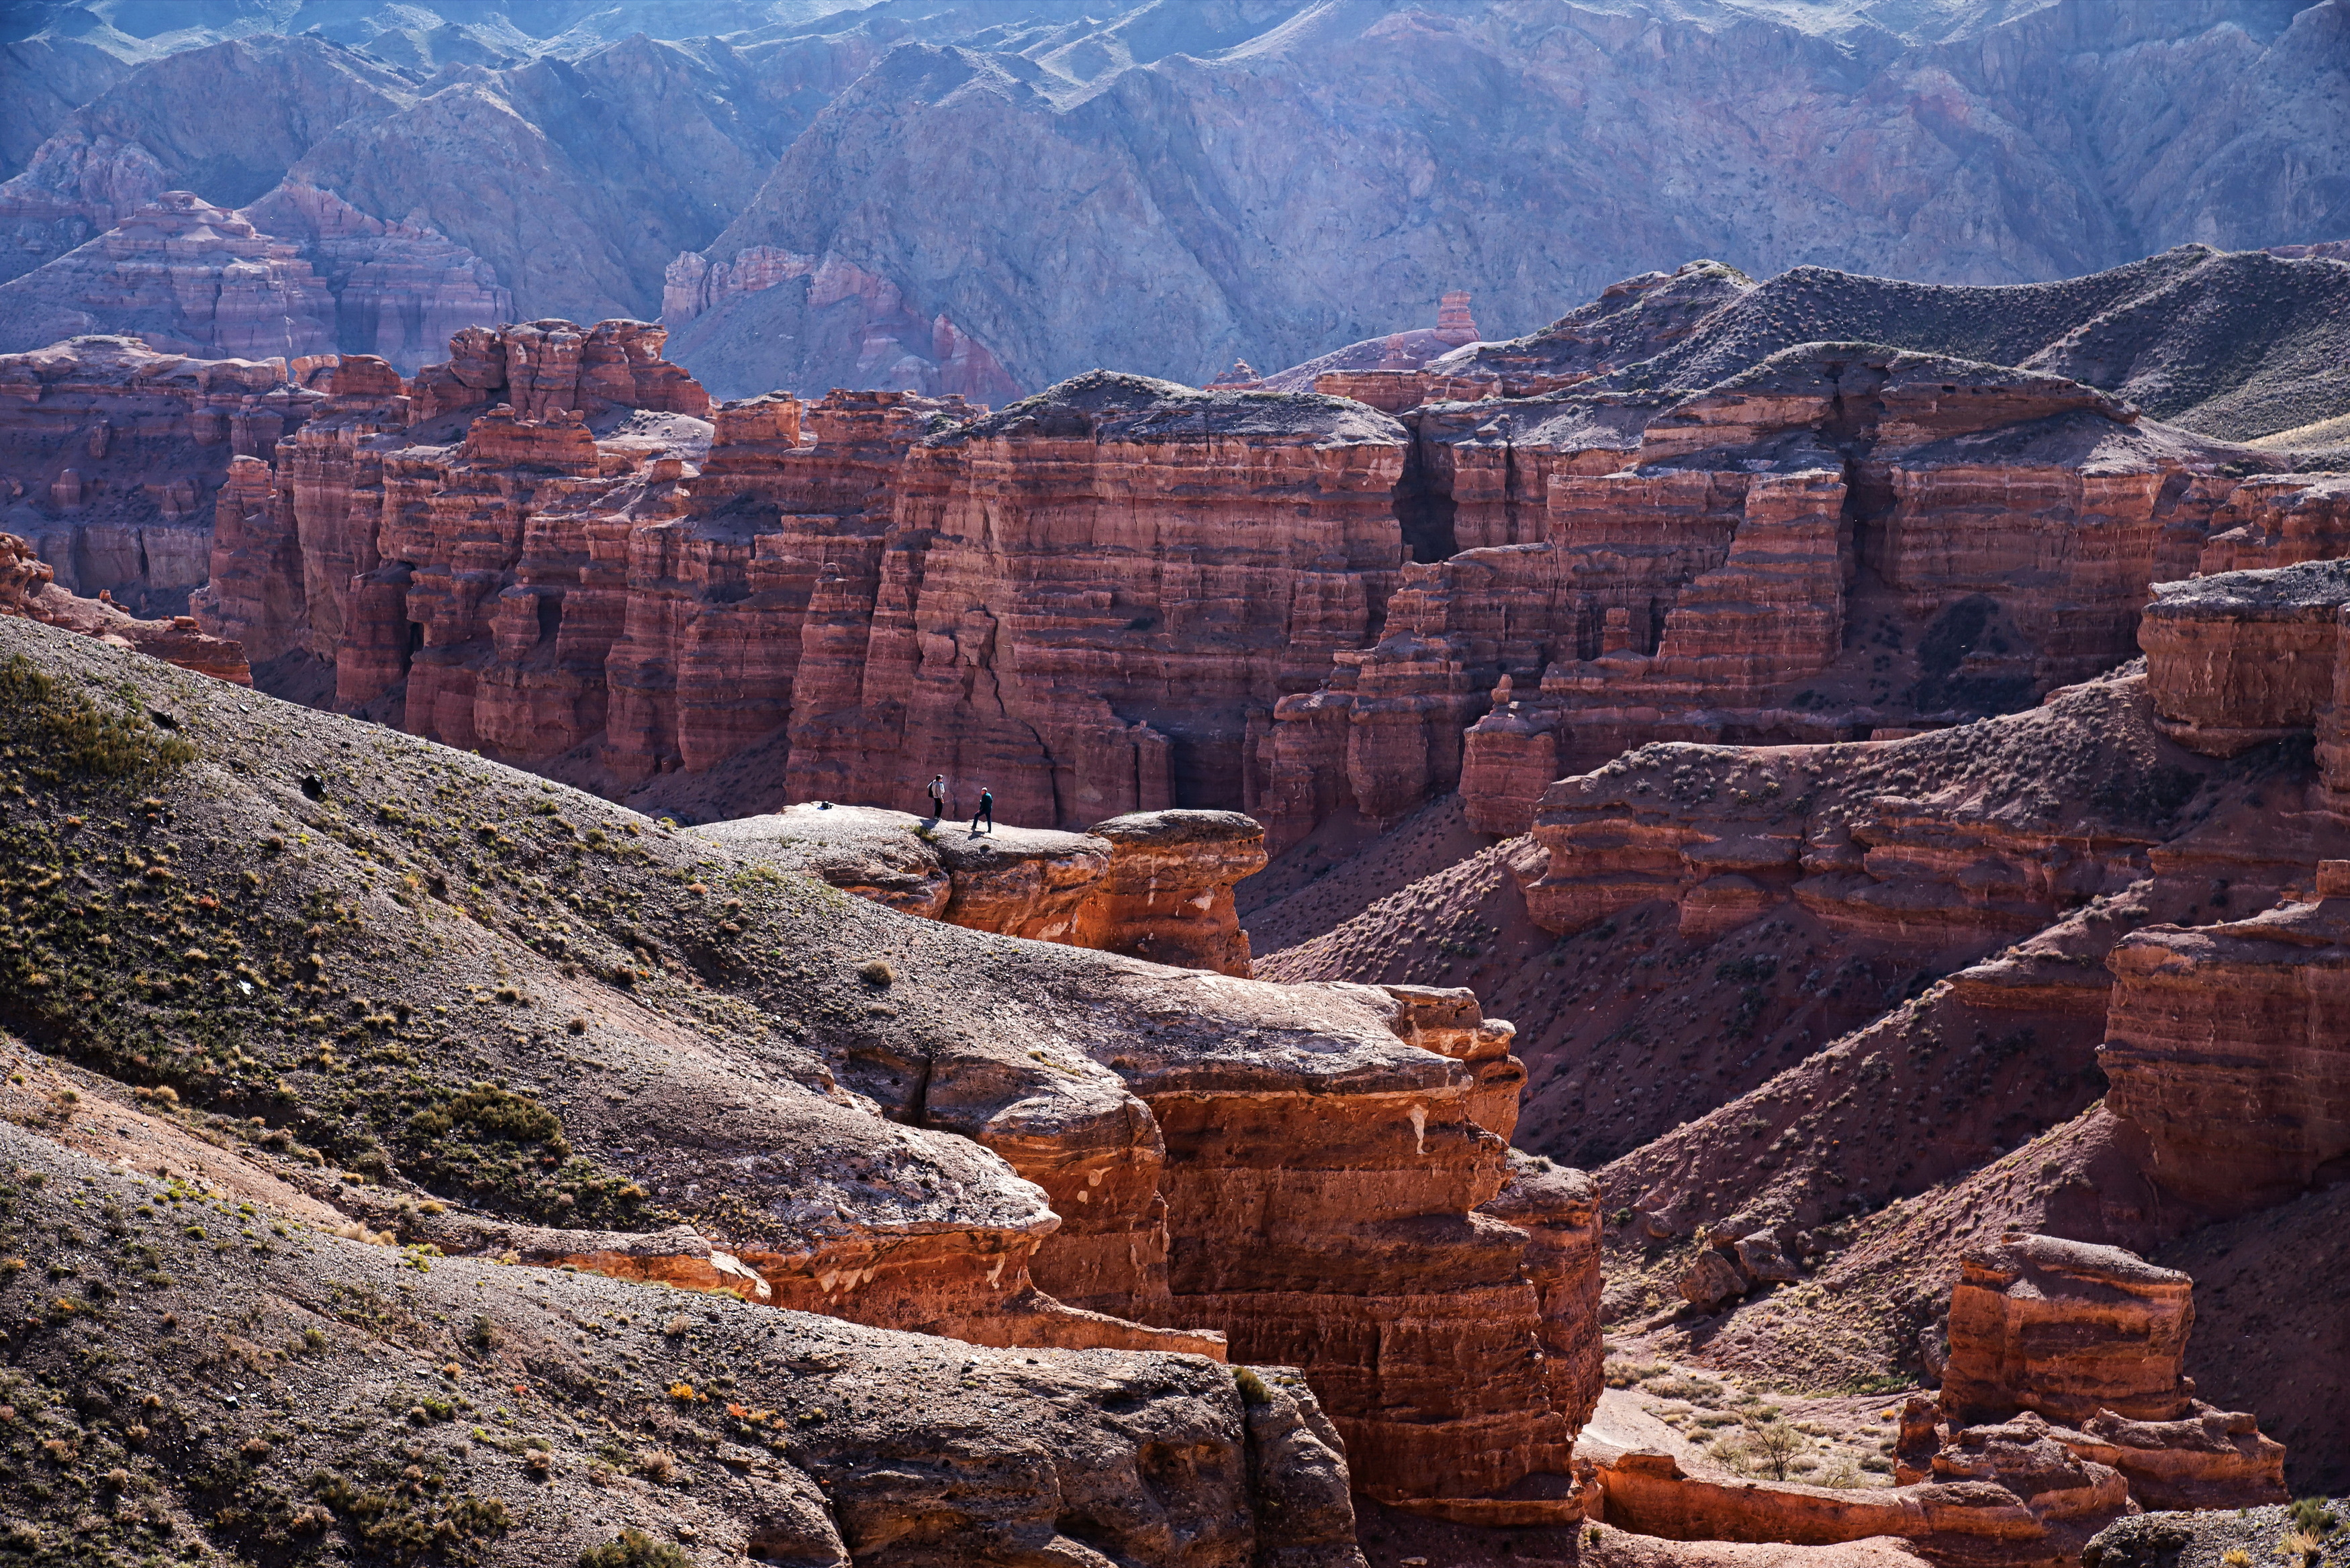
(1711, 1281)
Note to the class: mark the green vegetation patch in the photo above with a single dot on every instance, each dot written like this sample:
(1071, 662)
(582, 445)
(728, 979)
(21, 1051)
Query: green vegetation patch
(60, 736)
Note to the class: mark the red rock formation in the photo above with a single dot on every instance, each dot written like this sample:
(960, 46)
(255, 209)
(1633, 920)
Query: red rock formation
(547, 368)
(2092, 1338)
(1343, 1233)
(1730, 835)
(401, 290)
(2244, 657)
(901, 349)
(1155, 886)
(2066, 1329)
(1558, 1209)
(111, 453)
(1633, 568)
(1167, 892)
(187, 278)
(2279, 520)
(27, 588)
(1093, 600)
(1334, 1194)
(775, 555)
(2010, 1493)
(2224, 1046)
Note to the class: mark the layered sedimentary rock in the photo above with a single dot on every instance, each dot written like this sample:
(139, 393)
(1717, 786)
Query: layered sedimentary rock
(27, 588)
(1999, 1493)
(1242, 1189)
(1167, 892)
(1348, 1234)
(2225, 1045)
(2279, 520)
(2245, 657)
(774, 552)
(901, 1122)
(1891, 841)
(547, 368)
(110, 454)
(1093, 600)
(1124, 594)
(1155, 885)
(299, 272)
(184, 276)
(2066, 1329)
(2092, 1338)
(420, 533)
(850, 322)
(1735, 566)
(1382, 371)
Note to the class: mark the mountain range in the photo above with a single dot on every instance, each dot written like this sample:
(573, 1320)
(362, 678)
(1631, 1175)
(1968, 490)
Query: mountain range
(985, 198)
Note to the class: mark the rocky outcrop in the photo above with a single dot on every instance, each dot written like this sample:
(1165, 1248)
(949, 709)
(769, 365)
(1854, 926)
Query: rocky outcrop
(545, 368)
(2093, 1339)
(2279, 520)
(2005, 1493)
(1382, 371)
(1159, 1460)
(1735, 566)
(2067, 1330)
(297, 274)
(401, 290)
(27, 588)
(1156, 886)
(1388, 1216)
(112, 454)
(1881, 841)
(2220, 1046)
(856, 325)
(1093, 600)
(2245, 657)
(1167, 892)
(914, 1126)
(185, 278)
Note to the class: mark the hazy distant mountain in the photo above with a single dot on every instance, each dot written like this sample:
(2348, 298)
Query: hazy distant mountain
(998, 192)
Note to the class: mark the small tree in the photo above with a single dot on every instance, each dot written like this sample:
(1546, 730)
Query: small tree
(1772, 1446)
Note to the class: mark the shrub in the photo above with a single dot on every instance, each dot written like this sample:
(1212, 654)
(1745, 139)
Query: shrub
(64, 735)
(494, 1113)
(876, 972)
(2313, 1516)
(635, 1549)
(1251, 1387)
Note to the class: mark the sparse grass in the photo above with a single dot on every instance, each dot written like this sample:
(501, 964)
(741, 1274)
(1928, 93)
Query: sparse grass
(635, 1549)
(58, 737)
(1629, 1374)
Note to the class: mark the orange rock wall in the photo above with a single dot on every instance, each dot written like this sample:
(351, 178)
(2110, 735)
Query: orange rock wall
(2227, 1044)
(1092, 626)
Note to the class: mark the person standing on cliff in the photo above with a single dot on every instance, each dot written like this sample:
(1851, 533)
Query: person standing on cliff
(986, 809)
(937, 797)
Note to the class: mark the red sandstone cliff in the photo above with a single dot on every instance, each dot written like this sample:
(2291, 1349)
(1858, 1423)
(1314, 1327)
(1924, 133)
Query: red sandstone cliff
(111, 453)
(1748, 564)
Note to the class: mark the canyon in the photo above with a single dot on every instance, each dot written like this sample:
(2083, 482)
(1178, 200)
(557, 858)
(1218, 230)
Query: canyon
(1123, 594)
(1703, 936)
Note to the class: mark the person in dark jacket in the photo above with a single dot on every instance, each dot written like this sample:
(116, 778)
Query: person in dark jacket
(986, 809)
